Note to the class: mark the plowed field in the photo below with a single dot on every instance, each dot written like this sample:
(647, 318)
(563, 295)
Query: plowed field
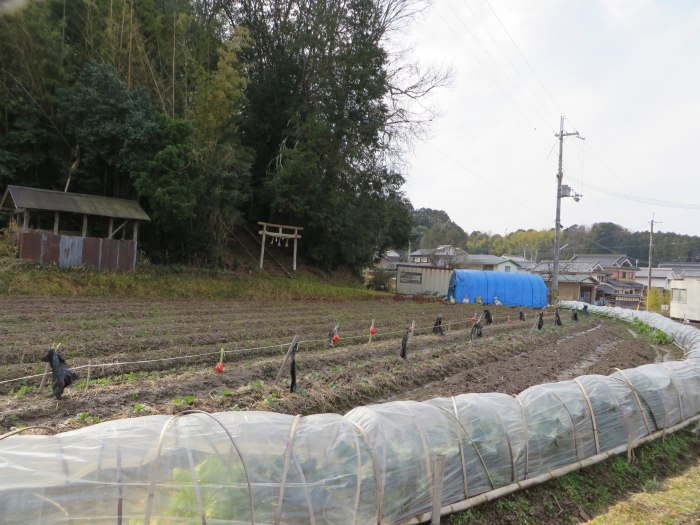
(148, 357)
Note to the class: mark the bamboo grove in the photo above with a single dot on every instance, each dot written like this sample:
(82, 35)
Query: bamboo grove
(212, 113)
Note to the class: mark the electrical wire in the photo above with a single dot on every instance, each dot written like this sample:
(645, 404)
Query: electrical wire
(524, 57)
(487, 181)
(490, 56)
(486, 70)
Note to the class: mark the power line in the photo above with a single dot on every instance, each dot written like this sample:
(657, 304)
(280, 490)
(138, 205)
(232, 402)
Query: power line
(486, 70)
(524, 81)
(524, 57)
(644, 200)
(487, 181)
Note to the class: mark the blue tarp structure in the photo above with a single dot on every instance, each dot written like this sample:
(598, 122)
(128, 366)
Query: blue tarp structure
(512, 289)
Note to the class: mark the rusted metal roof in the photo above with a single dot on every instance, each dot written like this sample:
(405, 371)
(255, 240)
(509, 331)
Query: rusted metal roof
(21, 197)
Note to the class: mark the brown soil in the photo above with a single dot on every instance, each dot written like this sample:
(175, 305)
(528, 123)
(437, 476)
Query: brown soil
(510, 357)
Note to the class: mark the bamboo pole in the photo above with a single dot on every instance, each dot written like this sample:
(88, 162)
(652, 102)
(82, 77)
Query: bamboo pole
(286, 358)
(87, 379)
(285, 469)
(556, 473)
(47, 368)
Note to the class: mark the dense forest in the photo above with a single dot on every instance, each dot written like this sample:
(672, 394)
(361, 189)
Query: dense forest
(434, 227)
(215, 112)
(212, 113)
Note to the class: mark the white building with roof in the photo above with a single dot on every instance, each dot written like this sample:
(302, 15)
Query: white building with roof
(660, 277)
(685, 295)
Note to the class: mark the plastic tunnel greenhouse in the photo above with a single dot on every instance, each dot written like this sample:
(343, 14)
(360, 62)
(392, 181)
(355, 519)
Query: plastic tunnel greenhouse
(511, 289)
(376, 464)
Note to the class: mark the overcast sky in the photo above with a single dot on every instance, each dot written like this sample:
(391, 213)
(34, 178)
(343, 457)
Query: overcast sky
(624, 73)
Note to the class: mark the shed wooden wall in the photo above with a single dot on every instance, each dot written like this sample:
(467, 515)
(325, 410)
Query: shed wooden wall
(68, 251)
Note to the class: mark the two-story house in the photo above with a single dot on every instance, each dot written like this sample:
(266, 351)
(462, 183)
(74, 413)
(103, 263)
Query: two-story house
(578, 281)
(619, 286)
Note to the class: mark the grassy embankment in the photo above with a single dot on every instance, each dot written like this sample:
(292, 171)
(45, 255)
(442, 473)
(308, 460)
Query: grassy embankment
(660, 486)
(23, 278)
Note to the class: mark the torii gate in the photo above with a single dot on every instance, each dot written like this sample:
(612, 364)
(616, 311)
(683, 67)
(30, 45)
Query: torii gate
(279, 232)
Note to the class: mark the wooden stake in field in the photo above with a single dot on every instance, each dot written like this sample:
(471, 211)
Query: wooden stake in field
(539, 323)
(557, 318)
(293, 369)
(476, 329)
(47, 368)
(406, 338)
(294, 344)
(333, 336)
(87, 379)
(372, 331)
(437, 327)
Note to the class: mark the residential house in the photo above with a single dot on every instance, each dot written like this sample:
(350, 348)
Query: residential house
(387, 261)
(685, 295)
(523, 264)
(382, 275)
(481, 261)
(680, 267)
(619, 286)
(660, 277)
(578, 281)
(445, 256)
(421, 256)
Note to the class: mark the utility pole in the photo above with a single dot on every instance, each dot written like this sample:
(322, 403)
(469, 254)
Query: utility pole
(651, 246)
(567, 193)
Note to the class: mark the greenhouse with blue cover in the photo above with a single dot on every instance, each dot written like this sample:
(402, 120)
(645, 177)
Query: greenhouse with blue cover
(510, 289)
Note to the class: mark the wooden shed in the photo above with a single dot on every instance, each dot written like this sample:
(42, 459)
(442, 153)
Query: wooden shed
(73, 229)
(421, 279)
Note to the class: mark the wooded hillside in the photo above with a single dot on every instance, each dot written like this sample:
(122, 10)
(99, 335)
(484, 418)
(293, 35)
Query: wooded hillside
(434, 227)
(215, 112)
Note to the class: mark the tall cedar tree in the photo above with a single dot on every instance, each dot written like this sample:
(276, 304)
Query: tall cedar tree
(319, 121)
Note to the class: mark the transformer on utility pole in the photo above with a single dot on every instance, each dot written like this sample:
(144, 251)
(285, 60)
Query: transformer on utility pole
(562, 191)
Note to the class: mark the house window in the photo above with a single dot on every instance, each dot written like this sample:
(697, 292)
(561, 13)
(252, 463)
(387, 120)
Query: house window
(411, 278)
(679, 295)
(507, 268)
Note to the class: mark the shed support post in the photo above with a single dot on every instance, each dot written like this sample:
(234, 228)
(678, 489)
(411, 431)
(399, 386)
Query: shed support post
(55, 223)
(25, 221)
(136, 231)
(294, 260)
(262, 249)
(111, 228)
(85, 224)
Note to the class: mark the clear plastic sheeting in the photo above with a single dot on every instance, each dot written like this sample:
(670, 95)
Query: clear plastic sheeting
(374, 465)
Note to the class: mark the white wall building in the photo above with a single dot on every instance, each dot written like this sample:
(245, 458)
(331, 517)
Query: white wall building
(419, 279)
(685, 296)
(660, 277)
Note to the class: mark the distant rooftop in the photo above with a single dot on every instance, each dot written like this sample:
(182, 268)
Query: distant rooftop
(656, 273)
(547, 265)
(480, 258)
(607, 260)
